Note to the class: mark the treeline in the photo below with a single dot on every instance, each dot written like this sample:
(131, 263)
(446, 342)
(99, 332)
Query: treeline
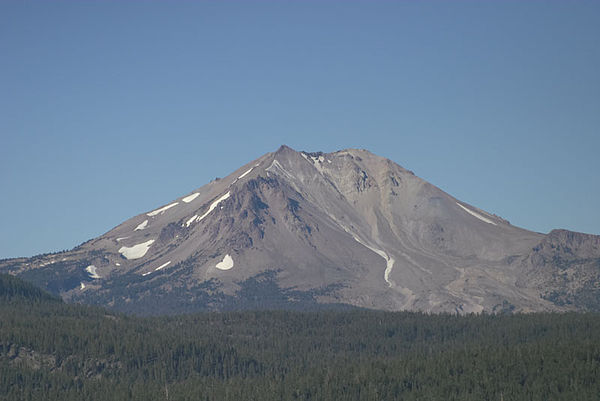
(56, 351)
(13, 289)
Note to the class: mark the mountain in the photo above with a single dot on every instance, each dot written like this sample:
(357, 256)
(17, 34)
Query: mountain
(303, 230)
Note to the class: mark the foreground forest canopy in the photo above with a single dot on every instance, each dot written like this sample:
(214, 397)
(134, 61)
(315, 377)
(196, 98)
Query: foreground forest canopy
(53, 351)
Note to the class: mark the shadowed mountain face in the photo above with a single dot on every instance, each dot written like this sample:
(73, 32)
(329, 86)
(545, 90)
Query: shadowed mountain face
(311, 230)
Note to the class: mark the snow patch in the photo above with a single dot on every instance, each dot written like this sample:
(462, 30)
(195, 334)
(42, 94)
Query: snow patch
(190, 198)
(191, 220)
(389, 261)
(136, 251)
(214, 205)
(318, 163)
(142, 225)
(162, 209)
(245, 174)
(82, 286)
(162, 266)
(388, 269)
(276, 167)
(226, 263)
(157, 269)
(122, 238)
(475, 214)
(91, 269)
(118, 264)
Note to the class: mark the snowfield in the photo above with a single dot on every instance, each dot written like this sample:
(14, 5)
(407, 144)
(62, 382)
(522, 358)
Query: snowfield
(191, 220)
(142, 225)
(162, 209)
(475, 214)
(162, 266)
(136, 251)
(226, 263)
(246, 173)
(91, 269)
(190, 198)
(213, 206)
(388, 260)
(276, 167)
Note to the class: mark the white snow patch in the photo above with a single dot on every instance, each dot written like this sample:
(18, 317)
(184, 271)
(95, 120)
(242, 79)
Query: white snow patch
(136, 251)
(303, 155)
(480, 217)
(328, 161)
(162, 209)
(157, 269)
(142, 225)
(388, 260)
(214, 205)
(388, 269)
(318, 163)
(162, 266)
(118, 264)
(246, 173)
(191, 220)
(91, 269)
(277, 167)
(226, 263)
(191, 197)
(122, 238)
(82, 286)
(317, 159)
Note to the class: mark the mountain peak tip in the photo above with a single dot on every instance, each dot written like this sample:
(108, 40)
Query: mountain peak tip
(286, 148)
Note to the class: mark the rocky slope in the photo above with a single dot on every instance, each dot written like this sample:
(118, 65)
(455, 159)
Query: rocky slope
(306, 230)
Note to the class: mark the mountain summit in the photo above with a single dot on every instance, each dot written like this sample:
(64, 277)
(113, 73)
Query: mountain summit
(310, 230)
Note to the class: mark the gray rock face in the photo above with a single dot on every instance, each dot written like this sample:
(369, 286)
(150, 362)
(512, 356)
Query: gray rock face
(303, 230)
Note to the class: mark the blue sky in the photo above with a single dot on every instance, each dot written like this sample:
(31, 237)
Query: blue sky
(110, 109)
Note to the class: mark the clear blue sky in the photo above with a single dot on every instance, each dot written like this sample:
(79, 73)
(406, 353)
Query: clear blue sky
(110, 109)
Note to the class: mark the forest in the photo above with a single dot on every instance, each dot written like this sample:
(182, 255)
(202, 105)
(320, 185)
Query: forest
(50, 350)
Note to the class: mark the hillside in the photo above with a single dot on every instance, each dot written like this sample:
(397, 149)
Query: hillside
(55, 351)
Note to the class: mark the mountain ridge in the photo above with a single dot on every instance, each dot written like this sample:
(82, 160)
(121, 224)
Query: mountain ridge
(346, 227)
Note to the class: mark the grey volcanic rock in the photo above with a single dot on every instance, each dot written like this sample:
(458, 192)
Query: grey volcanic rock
(310, 230)
(565, 268)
